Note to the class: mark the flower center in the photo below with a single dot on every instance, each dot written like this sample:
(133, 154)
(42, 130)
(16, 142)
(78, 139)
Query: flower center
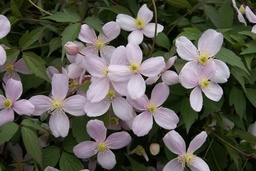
(204, 83)
(139, 23)
(151, 108)
(99, 44)
(139, 150)
(9, 68)
(114, 121)
(56, 104)
(111, 94)
(242, 9)
(186, 159)
(19, 165)
(102, 146)
(106, 72)
(134, 68)
(203, 59)
(7, 104)
(73, 83)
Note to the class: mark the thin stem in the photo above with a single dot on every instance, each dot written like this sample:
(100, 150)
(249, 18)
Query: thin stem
(245, 164)
(208, 148)
(154, 40)
(41, 9)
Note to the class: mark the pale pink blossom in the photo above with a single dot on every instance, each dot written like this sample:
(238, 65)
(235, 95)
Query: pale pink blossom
(175, 143)
(58, 104)
(251, 17)
(240, 11)
(10, 103)
(139, 26)
(164, 117)
(4, 30)
(102, 145)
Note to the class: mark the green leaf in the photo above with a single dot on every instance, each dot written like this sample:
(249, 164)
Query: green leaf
(163, 41)
(69, 143)
(250, 48)
(51, 155)
(35, 64)
(237, 98)
(251, 95)
(70, 33)
(69, 162)
(179, 4)
(191, 33)
(7, 131)
(188, 114)
(64, 17)
(238, 75)
(94, 23)
(244, 135)
(28, 39)
(227, 15)
(32, 145)
(55, 43)
(136, 166)
(78, 128)
(15, 9)
(217, 157)
(212, 14)
(12, 54)
(30, 124)
(118, 9)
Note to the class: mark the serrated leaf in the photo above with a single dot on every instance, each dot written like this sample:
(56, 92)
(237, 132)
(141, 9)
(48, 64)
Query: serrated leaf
(136, 166)
(188, 114)
(237, 98)
(32, 144)
(239, 77)
(55, 43)
(163, 41)
(179, 4)
(118, 9)
(7, 131)
(79, 129)
(94, 23)
(69, 162)
(35, 64)
(64, 17)
(250, 48)
(51, 156)
(30, 124)
(28, 39)
(70, 33)
(251, 95)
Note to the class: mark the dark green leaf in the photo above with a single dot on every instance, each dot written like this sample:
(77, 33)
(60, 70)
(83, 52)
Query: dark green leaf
(94, 23)
(237, 98)
(55, 43)
(30, 124)
(28, 39)
(11, 54)
(118, 9)
(163, 41)
(212, 14)
(70, 33)
(51, 156)
(79, 129)
(227, 15)
(7, 131)
(244, 135)
(136, 166)
(69, 162)
(15, 9)
(251, 95)
(250, 48)
(69, 143)
(191, 33)
(179, 4)
(64, 17)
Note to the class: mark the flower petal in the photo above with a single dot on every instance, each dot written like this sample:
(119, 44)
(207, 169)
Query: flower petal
(119, 73)
(170, 62)
(210, 42)
(222, 72)
(119, 56)
(135, 37)
(96, 66)
(122, 109)
(97, 108)
(149, 29)
(239, 14)
(59, 124)
(2, 55)
(13, 89)
(166, 118)
(152, 80)
(126, 22)
(106, 159)
(174, 165)
(85, 149)
(152, 67)
(74, 70)
(185, 49)
(87, 34)
(118, 140)
(74, 105)
(98, 90)
(213, 91)
(15, 152)
(136, 86)
(42, 104)
(250, 15)
(196, 99)
(120, 87)
(7, 115)
(23, 107)
(59, 80)
(142, 124)
(106, 53)
(5, 26)
(139, 104)
(188, 78)
(111, 30)
(97, 130)
(21, 67)
(134, 54)
(197, 142)
(174, 142)
(170, 77)
(159, 94)
(145, 14)
(199, 164)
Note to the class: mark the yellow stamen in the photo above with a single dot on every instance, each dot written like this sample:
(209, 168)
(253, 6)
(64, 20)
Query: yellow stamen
(139, 23)
(73, 83)
(111, 94)
(9, 68)
(242, 9)
(102, 146)
(151, 108)
(56, 104)
(106, 72)
(203, 59)
(139, 150)
(204, 83)
(99, 44)
(134, 68)
(19, 165)
(114, 121)
(186, 159)
(7, 104)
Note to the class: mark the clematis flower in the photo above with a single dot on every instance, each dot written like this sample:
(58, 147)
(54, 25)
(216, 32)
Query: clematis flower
(208, 45)
(240, 11)
(175, 143)
(200, 79)
(251, 17)
(58, 104)
(4, 30)
(10, 102)
(140, 151)
(164, 117)
(139, 26)
(101, 146)
(134, 70)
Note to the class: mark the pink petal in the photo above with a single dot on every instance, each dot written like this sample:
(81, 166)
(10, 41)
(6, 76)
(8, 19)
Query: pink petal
(74, 105)
(174, 165)
(186, 50)
(208, 70)
(149, 29)
(222, 72)
(97, 108)
(42, 104)
(51, 71)
(23, 107)
(174, 142)
(96, 66)
(250, 15)
(21, 66)
(2, 100)
(197, 142)
(59, 80)
(253, 29)
(87, 34)
(15, 152)
(106, 53)
(122, 109)
(239, 14)
(210, 42)
(49, 168)
(188, 78)
(170, 62)
(13, 89)
(5, 26)
(111, 30)
(152, 80)
(166, 118)
(136, 86)
(139, 104)
(2, 55)
(134, 54)
(106, 159)
(126, 22)
(97, 130)
(74, 70)
(59, 124)
(199, 165)
(145, 14)
(135, 37)
(85, 149)
(170, 77)
(119, 56)
(119, 73)
(196, 99)
(98, 90)
(159, 94)
(213, 91)
(142, 124)
(152, 67)
(120, 87)
(118, 140)
(6, 115)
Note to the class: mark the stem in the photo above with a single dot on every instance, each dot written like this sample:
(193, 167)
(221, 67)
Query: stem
(208, 148)
(154, 40)
(40, 9)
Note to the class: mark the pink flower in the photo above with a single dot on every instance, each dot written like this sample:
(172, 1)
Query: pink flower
(10, 102)
(4, 30)
(164, 117)
(240, 12)
(251, 17)
(175, 143)
(139, 26)
(58, 104)
(101, 146)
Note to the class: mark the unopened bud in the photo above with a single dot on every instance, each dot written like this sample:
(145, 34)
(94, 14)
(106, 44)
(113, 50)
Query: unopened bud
(154, 148)
(71, 48)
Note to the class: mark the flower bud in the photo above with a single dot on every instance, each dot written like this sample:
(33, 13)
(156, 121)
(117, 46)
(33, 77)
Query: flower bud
(154, 148)
(71, 48)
